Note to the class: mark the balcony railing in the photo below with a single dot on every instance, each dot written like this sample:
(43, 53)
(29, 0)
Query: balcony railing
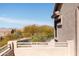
(61, 44)
(30, 44)
(3, 48)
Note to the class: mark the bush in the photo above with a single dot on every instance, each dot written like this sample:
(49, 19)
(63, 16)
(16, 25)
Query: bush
(3, 42)
(39, 38)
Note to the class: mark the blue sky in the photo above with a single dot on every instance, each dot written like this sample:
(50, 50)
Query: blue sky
(20, 15)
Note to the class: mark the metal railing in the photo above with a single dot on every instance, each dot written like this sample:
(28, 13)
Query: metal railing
(3, 48)
(7, 50)
(30, 44)
(61, 44)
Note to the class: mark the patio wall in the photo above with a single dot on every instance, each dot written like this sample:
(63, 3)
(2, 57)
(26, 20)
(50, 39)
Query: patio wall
(45, 50)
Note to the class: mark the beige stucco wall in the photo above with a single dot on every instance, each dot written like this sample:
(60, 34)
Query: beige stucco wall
(45, 50)
(70, 25)
(42, 51)
(67, 32)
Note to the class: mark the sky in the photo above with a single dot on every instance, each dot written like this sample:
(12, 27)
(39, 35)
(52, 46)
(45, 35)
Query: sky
(22, 14)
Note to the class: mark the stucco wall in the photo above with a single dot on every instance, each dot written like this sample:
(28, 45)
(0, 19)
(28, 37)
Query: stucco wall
(48, 50)
(67, 32)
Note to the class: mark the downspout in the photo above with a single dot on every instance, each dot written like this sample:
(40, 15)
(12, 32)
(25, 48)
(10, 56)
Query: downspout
(76, 37)
(75, 32)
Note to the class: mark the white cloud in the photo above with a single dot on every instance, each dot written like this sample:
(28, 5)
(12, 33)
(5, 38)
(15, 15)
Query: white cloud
(13, 21)
(21, 21)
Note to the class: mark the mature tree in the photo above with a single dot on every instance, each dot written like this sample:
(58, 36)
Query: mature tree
(38, 34)
(32, 29)
(47, 30)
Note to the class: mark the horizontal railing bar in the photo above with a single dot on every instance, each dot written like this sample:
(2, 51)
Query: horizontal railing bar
(5, 47)
(61, 44)
(32, 43)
